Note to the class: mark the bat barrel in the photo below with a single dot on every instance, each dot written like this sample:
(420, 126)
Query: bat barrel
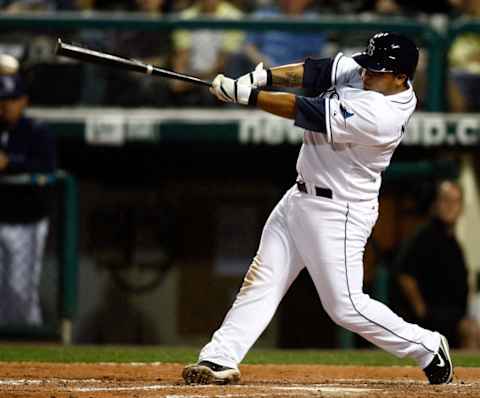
(100, 58)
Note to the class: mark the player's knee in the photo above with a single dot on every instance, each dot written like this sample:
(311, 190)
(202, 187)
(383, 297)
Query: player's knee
(345, 311)
(340, 313)
(345, 319)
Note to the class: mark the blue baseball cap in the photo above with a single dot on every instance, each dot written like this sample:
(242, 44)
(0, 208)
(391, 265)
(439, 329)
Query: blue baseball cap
(11, 86)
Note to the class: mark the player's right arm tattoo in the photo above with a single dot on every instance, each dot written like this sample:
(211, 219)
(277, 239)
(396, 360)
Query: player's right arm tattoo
(288, 75)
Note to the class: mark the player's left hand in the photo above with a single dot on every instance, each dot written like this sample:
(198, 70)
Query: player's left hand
(229, 90)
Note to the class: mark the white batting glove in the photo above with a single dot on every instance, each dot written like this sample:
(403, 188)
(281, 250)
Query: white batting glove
(258, 78)
(229, 90)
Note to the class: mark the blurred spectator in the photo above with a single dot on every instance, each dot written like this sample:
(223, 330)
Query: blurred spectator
(89, 82)
(275, 47)
(464, 73)
(432, 274)
(464, 59)
(445, 7)
(18, 6)
(93, 5)
(29, 47)
(246, 6)
(136, 89)
(202, 52)
(351, 42)
(26, 147)
(409, 7)
(180, 5)
(376, 7)
(387, 8)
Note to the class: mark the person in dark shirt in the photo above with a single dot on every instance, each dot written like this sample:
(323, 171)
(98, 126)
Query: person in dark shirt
(432, 274)
(26, 148)
(149, 46)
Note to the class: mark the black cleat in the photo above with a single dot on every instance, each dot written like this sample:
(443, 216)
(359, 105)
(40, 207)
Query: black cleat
(440, 370)
(206, 372)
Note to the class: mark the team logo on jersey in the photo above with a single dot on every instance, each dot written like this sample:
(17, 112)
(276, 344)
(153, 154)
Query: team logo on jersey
(345, 113)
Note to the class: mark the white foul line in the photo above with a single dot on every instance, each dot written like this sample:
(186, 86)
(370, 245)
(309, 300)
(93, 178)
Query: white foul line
(312, 388)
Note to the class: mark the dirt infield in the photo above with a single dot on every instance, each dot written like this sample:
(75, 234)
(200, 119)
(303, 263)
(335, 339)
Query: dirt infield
(35, 380)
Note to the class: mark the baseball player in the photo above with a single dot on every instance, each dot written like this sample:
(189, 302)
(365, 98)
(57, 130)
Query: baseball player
(27, 147)
(323, 222)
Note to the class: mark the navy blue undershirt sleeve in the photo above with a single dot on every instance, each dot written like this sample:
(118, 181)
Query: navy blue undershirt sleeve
(310, 114)
(317, 74)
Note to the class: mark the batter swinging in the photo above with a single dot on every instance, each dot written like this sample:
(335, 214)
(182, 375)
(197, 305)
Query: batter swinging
(323, 222)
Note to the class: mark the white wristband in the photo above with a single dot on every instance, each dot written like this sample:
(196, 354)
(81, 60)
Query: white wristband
(243, 94)
(260, 77)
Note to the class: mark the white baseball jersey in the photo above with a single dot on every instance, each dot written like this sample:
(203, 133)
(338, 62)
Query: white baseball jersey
(363, 130)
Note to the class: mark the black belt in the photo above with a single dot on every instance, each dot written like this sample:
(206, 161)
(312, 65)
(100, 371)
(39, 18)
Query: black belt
(323, 192)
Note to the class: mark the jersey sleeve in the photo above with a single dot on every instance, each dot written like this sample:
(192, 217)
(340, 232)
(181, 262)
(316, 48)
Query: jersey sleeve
(345, 72)
(310, 114)
(317, 74)
(360, 119)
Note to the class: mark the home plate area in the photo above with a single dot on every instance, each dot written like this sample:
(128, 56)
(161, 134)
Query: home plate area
(108, 380)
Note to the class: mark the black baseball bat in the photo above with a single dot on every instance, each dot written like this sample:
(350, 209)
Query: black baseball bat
(114, 61)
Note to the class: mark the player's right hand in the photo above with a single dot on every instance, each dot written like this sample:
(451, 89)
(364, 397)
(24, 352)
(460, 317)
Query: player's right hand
(258, 78)
(229, 90)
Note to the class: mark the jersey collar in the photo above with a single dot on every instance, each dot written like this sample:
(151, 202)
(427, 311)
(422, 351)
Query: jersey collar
(404, 96)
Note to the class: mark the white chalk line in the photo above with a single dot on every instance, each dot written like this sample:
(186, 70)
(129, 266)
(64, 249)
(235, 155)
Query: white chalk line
(293, 390)
(217, 396)
(130, 388)
(22, 382)
(19, 382)
(234, 390)
(250, 395)
(66, 382)
(312, 388)
(358, 382)
(323, 393)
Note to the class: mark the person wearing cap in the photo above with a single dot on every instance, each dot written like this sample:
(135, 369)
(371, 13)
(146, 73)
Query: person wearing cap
(26, 147)
(322, 223)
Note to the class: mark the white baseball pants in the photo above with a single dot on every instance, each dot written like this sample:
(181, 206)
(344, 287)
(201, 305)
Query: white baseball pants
(328, 237)
(21, 255)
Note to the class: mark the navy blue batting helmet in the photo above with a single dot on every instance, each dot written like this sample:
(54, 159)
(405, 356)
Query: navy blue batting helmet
(389, 52)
